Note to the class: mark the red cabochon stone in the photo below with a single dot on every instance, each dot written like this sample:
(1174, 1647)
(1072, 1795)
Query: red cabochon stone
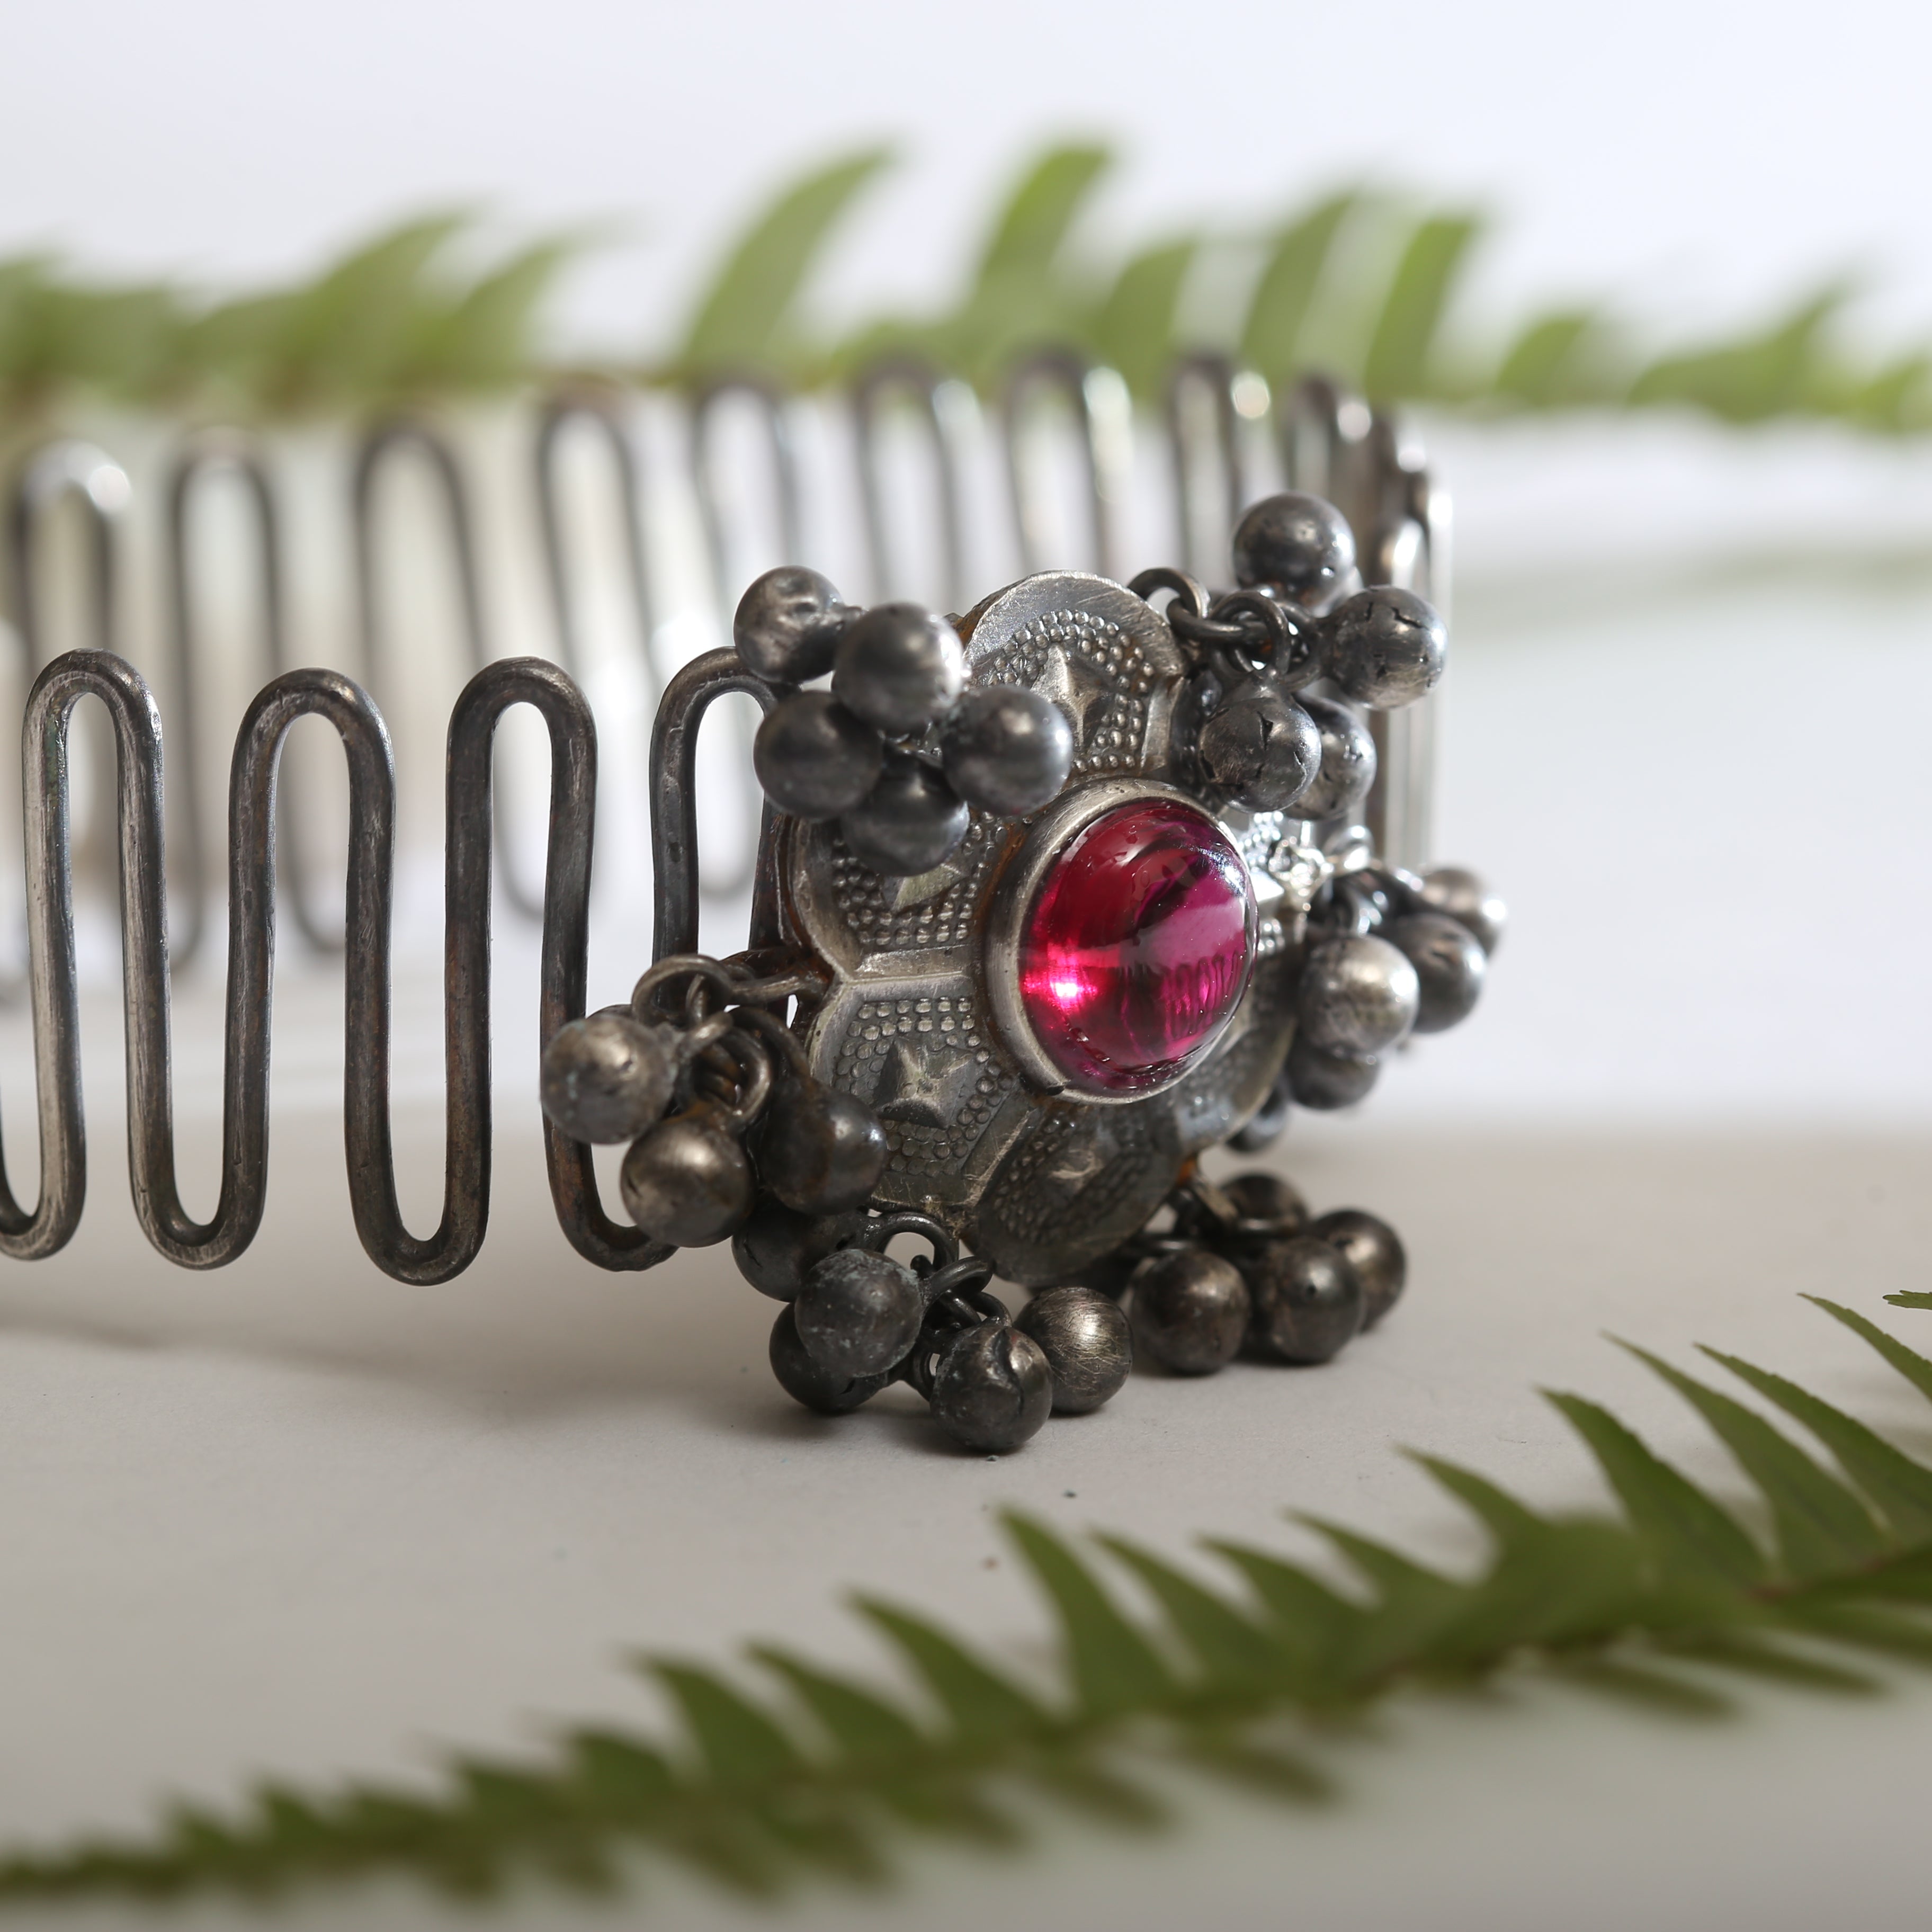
(1137, 947)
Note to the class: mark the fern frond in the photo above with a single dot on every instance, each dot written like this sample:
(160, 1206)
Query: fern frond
(1356, 282)
(799, 1773)
(748, 317)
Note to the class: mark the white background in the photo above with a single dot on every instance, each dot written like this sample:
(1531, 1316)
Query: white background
(1704, 159)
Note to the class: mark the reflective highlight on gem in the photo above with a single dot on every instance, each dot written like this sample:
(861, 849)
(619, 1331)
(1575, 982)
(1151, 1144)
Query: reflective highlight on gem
(1137, 947)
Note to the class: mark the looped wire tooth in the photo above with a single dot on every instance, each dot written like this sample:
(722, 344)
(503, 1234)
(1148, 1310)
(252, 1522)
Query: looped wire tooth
(1094, 402)
(1201, 522)
(739, 1063)
(600, 410)
(934, 399)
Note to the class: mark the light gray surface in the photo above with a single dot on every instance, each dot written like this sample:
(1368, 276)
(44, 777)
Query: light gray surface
(299, 1518)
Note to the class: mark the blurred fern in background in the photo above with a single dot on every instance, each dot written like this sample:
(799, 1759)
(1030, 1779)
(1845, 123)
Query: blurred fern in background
(1364, 284)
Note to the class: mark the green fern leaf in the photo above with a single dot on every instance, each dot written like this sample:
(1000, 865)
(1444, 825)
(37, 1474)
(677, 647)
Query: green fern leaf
(617, 1774)
(1649, 1610)
(1910, 1298)
(1413, 1604)
(1897, 401)
(1031, 230)
(1694, 1541)
(1136, 327)
(1646, 1685)
(861, 1724)
(1901, 1489)
(344, 334)
(1399, 362)
(1873, 1627)
(1268, 1770)
(1747, 1654)
(1916, 1368)
(984, 1706)
(1311, 1621)
(745, 316)
(1230, 1649)
(1512, 1524)
(874, 1739)
(1786, 367)
(1822, 1526)
(1278, 311)
(486, 336)
(1551, 1581)
(1113, 1666)
(1549, 363)
(740, 1742)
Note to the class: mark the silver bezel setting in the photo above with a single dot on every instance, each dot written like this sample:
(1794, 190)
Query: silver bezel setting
(1012, 901)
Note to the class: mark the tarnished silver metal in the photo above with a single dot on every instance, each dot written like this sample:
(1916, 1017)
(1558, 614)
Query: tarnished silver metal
(1374, 1250)
(723, 517)
(136, 726)
(376, 453)
(935, 402)
(1094, 398)
(922, 1019)
(688, 696)
(1204, 436)
(1086, 1342)
(993, 1389)
(867, 1067)
(723, 455)
(600, 410)
(74, 471)
(205, 454)
(74, 474)
(1306, 1297)
(1190, 1310)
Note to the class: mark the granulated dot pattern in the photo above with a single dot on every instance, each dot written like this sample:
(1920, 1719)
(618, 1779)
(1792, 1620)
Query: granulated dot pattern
(940, 1040)
(945, 920)
(1107, 674)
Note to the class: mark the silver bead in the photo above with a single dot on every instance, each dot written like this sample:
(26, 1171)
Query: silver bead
(1374, 1250)
(900, 668)
(1270, 1206)
(1464, 898)
(1347, 766)
(1308, 1299)
(606, 1078)
(818, 1150)
(777, 1247)
(1356, 996)
(1386, 647)
(1449, 965)
(911, 821)
(1259, 747)
(1189, 1311)
(1085, 1338)
(1298, 542)
(993, 1389)
(859, 1313)
(788, 624)
(1007, 749)
(687, 1181)
(807, 1380)
(1324, 1082)
(1111, 1274)
(813, 759)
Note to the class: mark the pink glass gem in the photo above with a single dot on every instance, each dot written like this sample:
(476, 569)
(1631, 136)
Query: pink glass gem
(1137, 949)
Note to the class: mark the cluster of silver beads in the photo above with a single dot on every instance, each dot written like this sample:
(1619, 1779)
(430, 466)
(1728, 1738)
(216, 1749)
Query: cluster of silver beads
(875, 726)
(897, 748)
